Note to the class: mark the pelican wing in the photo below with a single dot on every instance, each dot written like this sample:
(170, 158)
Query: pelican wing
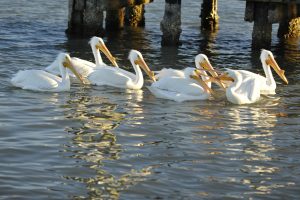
(53, 67)
(180, 85)
(109, 76)
(35, 80)
(175, 96)
(250, 88)
(246, 73)
(83, 67)
(265, 87)
(169, 72)
(84, 62)
(245, 89)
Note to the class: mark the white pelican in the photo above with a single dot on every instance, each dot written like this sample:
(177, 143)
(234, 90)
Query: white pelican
(201, 61)
(165, 72)
(243, 89)
(267, 83)
(184, 87)
(39, 80)
(117, 77)
(85, 67)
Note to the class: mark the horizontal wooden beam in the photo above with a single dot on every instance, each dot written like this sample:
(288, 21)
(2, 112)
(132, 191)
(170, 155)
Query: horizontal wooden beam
(275, 1)
(117, 4)
(276, 12)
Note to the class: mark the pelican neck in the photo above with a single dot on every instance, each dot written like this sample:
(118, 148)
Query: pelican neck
(97, 56)
(138, 73)
(268, 73)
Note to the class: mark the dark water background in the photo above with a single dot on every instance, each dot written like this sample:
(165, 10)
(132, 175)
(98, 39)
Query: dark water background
(106, 143)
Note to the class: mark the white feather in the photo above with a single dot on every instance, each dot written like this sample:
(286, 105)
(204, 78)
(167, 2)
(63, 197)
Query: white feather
(244, 90)
(117, 77)
(39, 80)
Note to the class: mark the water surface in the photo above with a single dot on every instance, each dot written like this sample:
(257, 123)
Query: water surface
(108, 143)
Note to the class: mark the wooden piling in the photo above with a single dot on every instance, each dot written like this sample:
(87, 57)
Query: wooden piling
(85, 17)
(209, 15)
(289, 26)
(134, 15)
(266, 12)
(262, 29)
(171, 23)
(114, 20)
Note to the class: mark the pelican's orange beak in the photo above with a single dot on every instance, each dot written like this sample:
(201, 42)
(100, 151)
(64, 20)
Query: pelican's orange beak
(202, 83)
(272, 62)
(144, 66)
(208, 67)
(104, 49)
(68, 64)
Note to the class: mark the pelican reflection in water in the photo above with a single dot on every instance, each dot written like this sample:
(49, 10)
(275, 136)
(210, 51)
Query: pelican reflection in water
(95, 143)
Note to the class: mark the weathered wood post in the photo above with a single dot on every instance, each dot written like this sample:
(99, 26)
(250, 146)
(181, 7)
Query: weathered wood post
(289, 26)
(266, 12)
(114, 19)
(115, 13)
(134, 15)
(262, 29)
(121, 12)
(209, 15)
(85, 17)
(171, 23)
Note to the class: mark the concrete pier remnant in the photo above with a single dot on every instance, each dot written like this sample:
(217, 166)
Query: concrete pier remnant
(86, 17)
(209, 15)
(171, 23)
(266, 12)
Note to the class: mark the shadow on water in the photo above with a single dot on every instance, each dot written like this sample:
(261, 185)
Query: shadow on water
(208, 42)
(289, 52)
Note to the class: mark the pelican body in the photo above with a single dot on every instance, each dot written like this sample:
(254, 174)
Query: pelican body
(267, 82)
(201, 62)
(85, 67)
(243, 89)
(182, 85)
(117, 77)
(169, 72)
(39, 80)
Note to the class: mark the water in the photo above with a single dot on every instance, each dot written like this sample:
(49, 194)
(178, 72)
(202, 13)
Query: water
(107, 143)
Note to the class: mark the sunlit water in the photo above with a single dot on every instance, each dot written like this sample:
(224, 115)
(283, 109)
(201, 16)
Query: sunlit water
(107, 143)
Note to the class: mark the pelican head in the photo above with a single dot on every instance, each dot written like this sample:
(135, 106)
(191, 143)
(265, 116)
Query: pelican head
(99, 44)
(268, 58)
(137, 58)
(202, 62)
(66, 61)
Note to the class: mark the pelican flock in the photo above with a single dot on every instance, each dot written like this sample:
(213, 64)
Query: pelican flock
(191, 83)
